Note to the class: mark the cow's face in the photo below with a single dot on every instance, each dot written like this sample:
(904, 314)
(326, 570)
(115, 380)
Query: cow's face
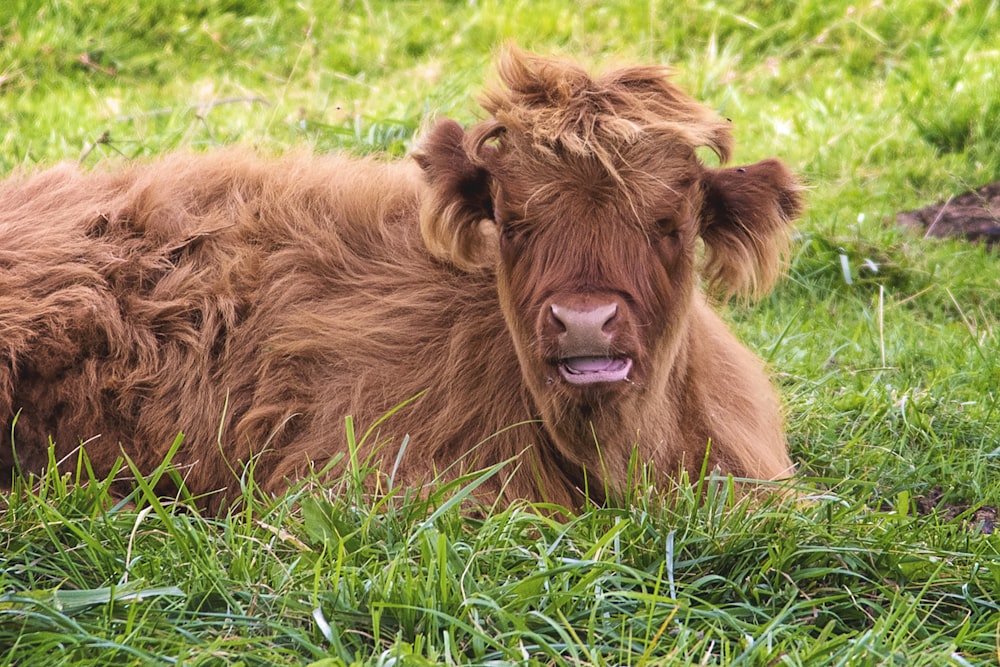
(595, 268)
(588, 200)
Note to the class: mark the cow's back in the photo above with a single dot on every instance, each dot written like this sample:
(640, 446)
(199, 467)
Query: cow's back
(151, 301)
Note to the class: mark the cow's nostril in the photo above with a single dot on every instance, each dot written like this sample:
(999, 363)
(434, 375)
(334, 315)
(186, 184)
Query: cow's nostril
(606, 327)
(556, 320)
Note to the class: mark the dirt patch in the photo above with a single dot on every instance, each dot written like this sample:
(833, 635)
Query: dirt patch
(982, 519)
(974, 215)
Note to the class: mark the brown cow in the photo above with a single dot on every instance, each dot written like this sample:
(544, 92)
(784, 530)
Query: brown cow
(532, 281)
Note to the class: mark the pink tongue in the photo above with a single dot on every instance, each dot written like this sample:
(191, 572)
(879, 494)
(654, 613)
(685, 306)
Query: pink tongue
(591, 364)
(591, 370)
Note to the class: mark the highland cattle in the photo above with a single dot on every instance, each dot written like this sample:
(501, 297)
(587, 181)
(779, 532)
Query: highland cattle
(528, 290)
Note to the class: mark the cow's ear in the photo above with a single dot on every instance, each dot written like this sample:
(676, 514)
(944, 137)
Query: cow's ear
(456, 215)
(746, 217)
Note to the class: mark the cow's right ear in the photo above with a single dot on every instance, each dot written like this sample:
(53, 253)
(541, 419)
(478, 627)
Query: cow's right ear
(456, 216)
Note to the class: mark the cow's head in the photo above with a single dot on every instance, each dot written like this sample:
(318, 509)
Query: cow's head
(588, 198)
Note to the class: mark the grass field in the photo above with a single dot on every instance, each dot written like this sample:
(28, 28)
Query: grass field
(884, 345)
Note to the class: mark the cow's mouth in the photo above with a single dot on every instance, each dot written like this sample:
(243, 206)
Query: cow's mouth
(590, 370)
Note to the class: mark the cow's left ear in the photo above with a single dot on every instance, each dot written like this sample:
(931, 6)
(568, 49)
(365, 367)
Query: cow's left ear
(456, 214)
(746, 215)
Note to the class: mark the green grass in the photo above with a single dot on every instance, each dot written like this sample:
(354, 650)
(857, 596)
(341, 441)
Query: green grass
(890, 379)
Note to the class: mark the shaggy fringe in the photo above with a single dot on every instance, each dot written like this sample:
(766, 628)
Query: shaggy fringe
(561, 108)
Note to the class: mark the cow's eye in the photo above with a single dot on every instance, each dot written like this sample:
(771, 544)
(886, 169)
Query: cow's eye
(669, 229)
(508, 230)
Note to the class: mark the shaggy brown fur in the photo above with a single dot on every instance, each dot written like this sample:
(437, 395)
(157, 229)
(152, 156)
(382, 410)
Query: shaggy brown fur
(252, 304)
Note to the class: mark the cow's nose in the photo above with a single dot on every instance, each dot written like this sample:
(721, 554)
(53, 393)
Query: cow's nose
(584, 332)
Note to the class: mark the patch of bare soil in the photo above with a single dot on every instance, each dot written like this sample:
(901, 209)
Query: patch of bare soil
(982, 519)
(974, 215)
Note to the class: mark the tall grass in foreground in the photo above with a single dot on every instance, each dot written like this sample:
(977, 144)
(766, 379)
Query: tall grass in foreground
(325, 576)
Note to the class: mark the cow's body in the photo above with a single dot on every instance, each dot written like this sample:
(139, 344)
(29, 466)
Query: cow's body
(252, 304)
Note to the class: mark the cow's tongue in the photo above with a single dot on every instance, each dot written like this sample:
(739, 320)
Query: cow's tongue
(591, 364)
(588, 370)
